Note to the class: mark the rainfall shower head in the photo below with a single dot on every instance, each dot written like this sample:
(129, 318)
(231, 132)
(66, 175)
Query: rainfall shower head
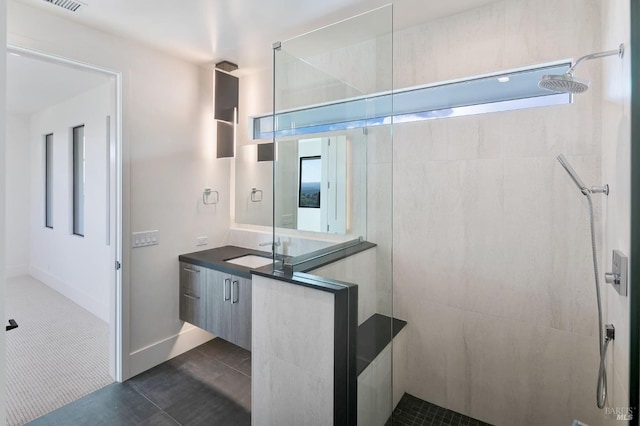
(574, 176)
(564, 83)
(567, 83)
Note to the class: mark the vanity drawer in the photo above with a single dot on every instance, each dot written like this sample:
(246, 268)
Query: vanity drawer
(192, 297)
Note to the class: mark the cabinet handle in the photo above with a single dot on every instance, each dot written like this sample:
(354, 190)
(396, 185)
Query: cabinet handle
(188, 296)
(234, 292)
(195, 271)
(227, 284)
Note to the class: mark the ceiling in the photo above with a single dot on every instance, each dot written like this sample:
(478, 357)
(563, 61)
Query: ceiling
(241, 31)
(200, 31)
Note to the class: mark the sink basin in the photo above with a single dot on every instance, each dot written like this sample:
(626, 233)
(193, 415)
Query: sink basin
(250, 261)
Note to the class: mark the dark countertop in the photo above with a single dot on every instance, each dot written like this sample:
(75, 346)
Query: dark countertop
(215, 259)
(309, 262)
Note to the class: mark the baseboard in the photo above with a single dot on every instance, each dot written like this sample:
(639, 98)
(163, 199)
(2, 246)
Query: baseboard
(16, 271)
(159, 352)
(96, 308)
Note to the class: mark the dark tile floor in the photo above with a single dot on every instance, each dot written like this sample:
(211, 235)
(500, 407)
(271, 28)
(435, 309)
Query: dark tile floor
(412, 411)
(209, 385)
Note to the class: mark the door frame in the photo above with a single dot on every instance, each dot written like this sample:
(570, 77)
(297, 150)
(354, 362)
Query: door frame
(634, 259)
(117, 327)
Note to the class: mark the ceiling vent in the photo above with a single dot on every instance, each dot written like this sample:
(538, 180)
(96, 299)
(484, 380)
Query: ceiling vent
(71, 5)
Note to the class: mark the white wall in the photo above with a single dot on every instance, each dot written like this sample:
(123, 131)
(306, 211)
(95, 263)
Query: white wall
(168, 159)
(255, 98)
(249, 174)
(18, 200)
(616, 152)
(77, 267)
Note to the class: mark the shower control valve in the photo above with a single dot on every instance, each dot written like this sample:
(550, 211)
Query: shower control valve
(612, 278)
(610, 332)
(618, 277)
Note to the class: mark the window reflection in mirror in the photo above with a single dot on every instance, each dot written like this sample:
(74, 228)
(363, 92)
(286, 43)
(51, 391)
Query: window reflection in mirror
(310, 177)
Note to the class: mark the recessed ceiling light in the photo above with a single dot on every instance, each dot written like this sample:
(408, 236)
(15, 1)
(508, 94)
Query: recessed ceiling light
(503, 79)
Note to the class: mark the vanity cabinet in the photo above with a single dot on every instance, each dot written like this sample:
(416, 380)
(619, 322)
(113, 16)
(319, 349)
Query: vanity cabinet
(193, 288)
(217, 302)
(219, 317)
(241, 312)
(230, 308)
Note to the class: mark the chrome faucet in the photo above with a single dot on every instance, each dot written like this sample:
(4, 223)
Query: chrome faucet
(273, 244)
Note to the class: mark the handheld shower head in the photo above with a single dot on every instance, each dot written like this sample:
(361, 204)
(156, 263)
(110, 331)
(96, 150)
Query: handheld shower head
(567, 83)
(572, 173)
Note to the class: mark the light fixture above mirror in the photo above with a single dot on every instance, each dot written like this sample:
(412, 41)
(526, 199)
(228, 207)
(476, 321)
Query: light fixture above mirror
(225, 110)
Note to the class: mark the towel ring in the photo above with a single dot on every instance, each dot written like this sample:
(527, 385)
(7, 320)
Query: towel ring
(256, 195)
(205, 197)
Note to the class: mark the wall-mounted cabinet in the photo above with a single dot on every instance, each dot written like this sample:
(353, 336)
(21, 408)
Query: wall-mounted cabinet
(217, 302)
(230, 313)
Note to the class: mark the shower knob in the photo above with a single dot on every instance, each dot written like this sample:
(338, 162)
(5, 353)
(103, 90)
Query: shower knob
(618, 277)
(612, 278)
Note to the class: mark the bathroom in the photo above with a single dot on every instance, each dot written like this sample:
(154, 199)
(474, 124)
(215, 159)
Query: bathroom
(484, 237)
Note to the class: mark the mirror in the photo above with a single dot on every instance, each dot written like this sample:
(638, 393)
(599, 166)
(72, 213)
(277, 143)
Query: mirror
(321, 86)
(320, 184)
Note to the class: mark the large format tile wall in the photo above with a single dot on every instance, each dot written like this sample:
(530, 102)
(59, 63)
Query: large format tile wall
(357, 269)
(379, 387)
(616, 147)
(492, 266)
(292, 354)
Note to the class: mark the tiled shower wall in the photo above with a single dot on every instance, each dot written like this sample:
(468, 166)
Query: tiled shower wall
(616, 145)
(492, 266)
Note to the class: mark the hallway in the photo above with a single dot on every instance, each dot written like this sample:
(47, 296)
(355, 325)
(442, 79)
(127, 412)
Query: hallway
(58, 354)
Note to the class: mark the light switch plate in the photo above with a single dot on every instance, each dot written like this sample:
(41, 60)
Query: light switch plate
(144, 239)
(202, 241)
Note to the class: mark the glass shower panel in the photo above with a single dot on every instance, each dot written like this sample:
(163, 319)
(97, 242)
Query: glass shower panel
(333, 184)
(345, 61)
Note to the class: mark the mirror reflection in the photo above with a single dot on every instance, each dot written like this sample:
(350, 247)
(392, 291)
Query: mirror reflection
(320, 185)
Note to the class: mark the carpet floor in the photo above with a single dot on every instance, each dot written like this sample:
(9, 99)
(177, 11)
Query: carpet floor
(58, 354)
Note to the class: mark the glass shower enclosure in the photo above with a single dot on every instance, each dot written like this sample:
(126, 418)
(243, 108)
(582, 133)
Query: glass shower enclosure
(332, 169)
